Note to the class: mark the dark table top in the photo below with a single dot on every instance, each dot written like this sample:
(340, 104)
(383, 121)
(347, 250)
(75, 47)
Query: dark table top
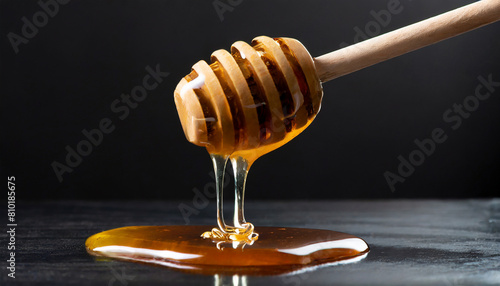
(413, 242)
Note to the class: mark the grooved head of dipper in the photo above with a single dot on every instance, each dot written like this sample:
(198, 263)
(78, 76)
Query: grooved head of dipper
(259, 95)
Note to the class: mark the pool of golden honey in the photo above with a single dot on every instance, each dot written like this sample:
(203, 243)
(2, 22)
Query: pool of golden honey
(278, 250)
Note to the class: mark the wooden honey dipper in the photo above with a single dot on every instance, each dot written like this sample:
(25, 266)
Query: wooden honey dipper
(262, 95)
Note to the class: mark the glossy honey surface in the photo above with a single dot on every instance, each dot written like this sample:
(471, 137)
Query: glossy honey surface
(278, 250)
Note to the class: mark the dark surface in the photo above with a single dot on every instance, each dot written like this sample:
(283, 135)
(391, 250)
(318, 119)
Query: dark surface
(426, 242)
(65, 79)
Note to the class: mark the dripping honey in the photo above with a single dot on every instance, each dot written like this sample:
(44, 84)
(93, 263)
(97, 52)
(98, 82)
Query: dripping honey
(274, 131)
(237, 248)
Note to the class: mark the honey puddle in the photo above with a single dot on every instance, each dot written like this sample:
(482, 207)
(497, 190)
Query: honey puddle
(278, 250)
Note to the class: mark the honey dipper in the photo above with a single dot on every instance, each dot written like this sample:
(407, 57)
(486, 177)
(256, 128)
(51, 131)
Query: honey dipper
(260, 96)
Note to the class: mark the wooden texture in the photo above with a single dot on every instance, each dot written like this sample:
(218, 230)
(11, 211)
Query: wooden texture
(424, 242)
(251, 98)
(407, 39)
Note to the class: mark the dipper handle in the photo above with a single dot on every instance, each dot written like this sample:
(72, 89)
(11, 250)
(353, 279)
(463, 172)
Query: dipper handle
(406, 39)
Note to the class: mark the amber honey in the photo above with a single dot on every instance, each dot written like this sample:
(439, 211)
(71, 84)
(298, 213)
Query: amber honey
(240, 107)
(278, 250)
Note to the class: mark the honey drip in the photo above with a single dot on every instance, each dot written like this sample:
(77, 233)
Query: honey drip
(276, 107)
(240, 107)
(241, 231)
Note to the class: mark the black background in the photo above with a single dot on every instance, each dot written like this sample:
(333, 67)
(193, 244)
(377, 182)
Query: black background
(65, 78)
